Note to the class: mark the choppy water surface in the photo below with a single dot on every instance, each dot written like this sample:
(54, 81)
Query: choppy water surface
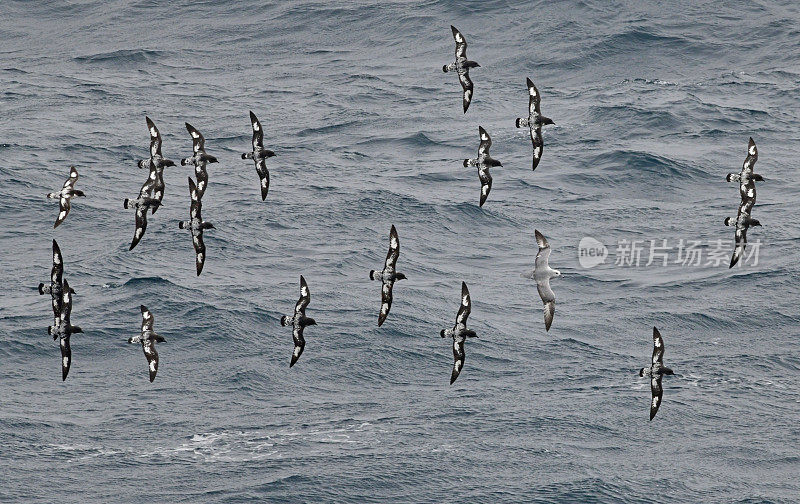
(653, 107)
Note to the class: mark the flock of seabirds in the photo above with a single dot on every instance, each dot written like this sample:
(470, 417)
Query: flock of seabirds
(152, 192)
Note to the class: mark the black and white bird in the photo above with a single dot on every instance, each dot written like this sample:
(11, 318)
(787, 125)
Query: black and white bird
(196, 225)
(388, 275)
(199, 159)
(462, 65)
(459, 332)
(62, 328)
(542, 273)
(56, 287)
(656, 371)
(259, 155)
(484, 161)
(746, 177)
(148, 339)
(534, 122)
(140, 206)
(299, 321)
(156, 159)
(65, 195)
(742, 223)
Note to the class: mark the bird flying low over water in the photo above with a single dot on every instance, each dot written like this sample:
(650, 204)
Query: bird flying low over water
(56, 287)
(742, 223)
(461, 66)
(459, 332)
(484, 161)
(656, 371)
(534, 122)
(65, 195)
(388, 275)
(140, 207)
(542, 273)
(199, 159)
(746, 178)
(259, 155)
(299, 321)
(196, 225)
(156, 159)
(62, 328)
(148, 339)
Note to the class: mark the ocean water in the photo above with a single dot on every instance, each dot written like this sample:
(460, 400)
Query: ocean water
(653, 106)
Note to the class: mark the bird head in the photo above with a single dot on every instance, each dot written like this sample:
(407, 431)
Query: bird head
(441, 333)
(400, 276)
(76, 329)
(547, 120)
(78, 193)
(268, 153)
(311, 321)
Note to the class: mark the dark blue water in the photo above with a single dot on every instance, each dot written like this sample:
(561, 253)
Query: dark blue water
(653, 107)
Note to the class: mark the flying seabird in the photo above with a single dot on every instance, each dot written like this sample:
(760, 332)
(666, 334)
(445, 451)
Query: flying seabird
(484, 161)
(199, 159)
(462, 66)
(62, 329)
(196, 225)
(140, 206)
(542, 273)
(534, 122)
(259, 155)
(656, 371)
(148, 339)
(459, 332)
(65, 195)
(56, 287)
(742, 222)
(156, 159)
(388, 276)
(299, 321)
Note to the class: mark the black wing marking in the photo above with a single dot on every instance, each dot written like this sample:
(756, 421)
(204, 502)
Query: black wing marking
(538, 145)
(263, 175)
(486, 184)
(63, 210)
(458, 358)
(258, 132)
(198, 142)
(66, 356)
(147, 319)
(534, 98)
(486, 141)
(199, 250)
(305, 298)
(394, 249)
(299, 343)
(658, 347)
(141, 225)
(657, 392)
(740, 242)
(149, 348)
(468, 88)
(386, 300)
(66, 305)
(466, 306)
(461, 43)
(196, 206)
(57, 271)
(155, 138)
(73, 178)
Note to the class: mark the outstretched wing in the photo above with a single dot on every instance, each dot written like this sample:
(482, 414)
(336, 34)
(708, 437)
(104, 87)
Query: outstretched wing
(73, 178)
(199, 250)
(752, 157)
(141, 225)
(305, 298)
(196, 206)
(543, 281)
(466, 305)
(394, 249)
(155, 138)
(486, 142)
(657, 391)
(533, 98)
(461, 43)
(66, 357)
(299, 343)
(458, 358)
(258, 133)
(151, 355)
(538, 144)
(467, 86)
(386, 300)
(263, 175)
(486, 184)
(63, 210)
(198, 142)
(66, 304)
(740, 243)
(658, 347)
(544, 251)
(57, 271)
(147, 319)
